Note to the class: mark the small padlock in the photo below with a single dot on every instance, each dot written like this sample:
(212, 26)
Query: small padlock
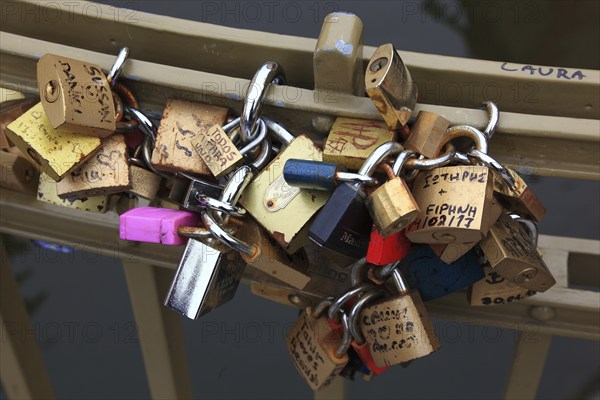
(398, 329)
(385, 250)
(521, 199)
(494, 289)
(105, 173)
(344, 224)
(76, 96)
(46, 192)
(510, 253)
(390, 87)
(182, 122)
(217, 150)
(314, 347)
(144, 183)
(427, 134)
(351, 141)
(55, 151)
(392, 205)
(156, 225)
(307, 174)
(17, 173)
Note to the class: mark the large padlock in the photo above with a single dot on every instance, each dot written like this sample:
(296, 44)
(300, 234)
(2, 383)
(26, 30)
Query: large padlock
(494, 289)
(46, 192)
(77, 96)
(343, 225)
(398, 329)
(55, 151)
(351, 141)
(519, 199)
(392, 205)
(511, 254)
(107, 172)
(281, 209)
(427, 134)
(390, 87)
(17, 173)
(182, 122)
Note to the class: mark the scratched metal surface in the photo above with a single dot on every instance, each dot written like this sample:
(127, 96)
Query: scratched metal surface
(83, 319)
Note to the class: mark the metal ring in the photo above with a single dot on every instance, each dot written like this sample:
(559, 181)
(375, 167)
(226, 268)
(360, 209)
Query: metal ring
(401, 161)
(262, 134)
(220, 206)
(117, 66)
(493, 117)
(378, 155)
(233, 190)
(357, 308)
(263, 157)
(347, 336)
(448, 157)
(494, 165)
(472, 133)
(339, 302)
(222, 236)
(266, 74)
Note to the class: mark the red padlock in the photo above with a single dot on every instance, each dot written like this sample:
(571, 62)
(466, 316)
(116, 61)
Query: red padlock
(385, 250)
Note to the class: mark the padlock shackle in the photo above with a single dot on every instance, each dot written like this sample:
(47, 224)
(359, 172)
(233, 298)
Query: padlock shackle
(346, 337)
(493, 117)
(207, 202)
(488, 161)
(357, 308)
(378, 156)
(117, 66)
(278, 132)
(471, 132)
(357, 270)
(530, 226)
(398, 281)
(269, 72)
(322, 306)
(334, 309)
(233, 190)
(224, 237)
(447, 158)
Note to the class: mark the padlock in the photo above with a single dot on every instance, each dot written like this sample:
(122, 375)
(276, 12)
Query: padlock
(106, 172)
(427, 134)
(351, 141)
(434, 278)
(156, 225)
(392, 205)
(314, 348)
(46, 192)
(76, 96)
(521, 199)
(217, 150)
(307, 174)
(10, 110)
(17, 173)
(55, 151)
(343, 225)
(510, 253)
(398, 329)
(282, 210)
(182, 122)
(385, 250)
(144, 183)
(390, 87)
(494, 289)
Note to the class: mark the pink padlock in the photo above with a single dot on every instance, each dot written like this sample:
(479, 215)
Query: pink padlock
(156, 225)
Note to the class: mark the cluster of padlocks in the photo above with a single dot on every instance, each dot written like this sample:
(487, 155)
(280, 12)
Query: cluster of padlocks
(357, 232)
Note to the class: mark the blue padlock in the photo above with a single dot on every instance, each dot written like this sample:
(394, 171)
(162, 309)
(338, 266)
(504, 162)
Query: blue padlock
(316, 175)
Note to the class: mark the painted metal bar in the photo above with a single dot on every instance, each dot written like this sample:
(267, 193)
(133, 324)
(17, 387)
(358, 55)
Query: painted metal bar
(527, 367)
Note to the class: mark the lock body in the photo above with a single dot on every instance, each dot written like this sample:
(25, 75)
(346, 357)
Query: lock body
(76, 96)
(144, 183)
(510, 253)
(493, 289)
(184, 191)
(427, 134)
(451, 252)
(55, 151)
(282, 210)
(17, 173)
(155, 225)
(46, 192)
(351, 141)
(385, 250)
(183, 122)
(106, 172)
(521, 200)
(217, 150)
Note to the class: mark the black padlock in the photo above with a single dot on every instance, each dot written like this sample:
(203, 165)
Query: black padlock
(344, 225)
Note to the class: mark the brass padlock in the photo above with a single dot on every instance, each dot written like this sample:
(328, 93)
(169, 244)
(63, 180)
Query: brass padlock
(427, 134)
(217, 150)
(107, 172)
(11, 110)
(281, 209)
(76, 96)
(313, 345)
(17, 173)
(56, 151)
(521, 199)
(494, 289)
(352, 140)
(181, 123)
(47, 193)
(144, 183)
(456, 203)
(398, 329)
(392, 205)
(390, 87)
(511, 254)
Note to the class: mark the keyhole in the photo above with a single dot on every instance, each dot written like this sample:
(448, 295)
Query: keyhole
(51, 93)
(378, 64)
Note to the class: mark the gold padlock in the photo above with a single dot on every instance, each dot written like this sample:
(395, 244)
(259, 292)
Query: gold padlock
(427, 134)
(511, 254)
(351, 141)
(217, 150)
(144, 183)
(182, 122)
(56, 151)
(398, 329)
(281, 209)
(11, 110)
(313, 345)
(521, 199)
(47, 193)
(390, 87)
(456, 203)
(17, 173)
(76, 96)
(392, 205)
(107, 172)
(494, 289)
